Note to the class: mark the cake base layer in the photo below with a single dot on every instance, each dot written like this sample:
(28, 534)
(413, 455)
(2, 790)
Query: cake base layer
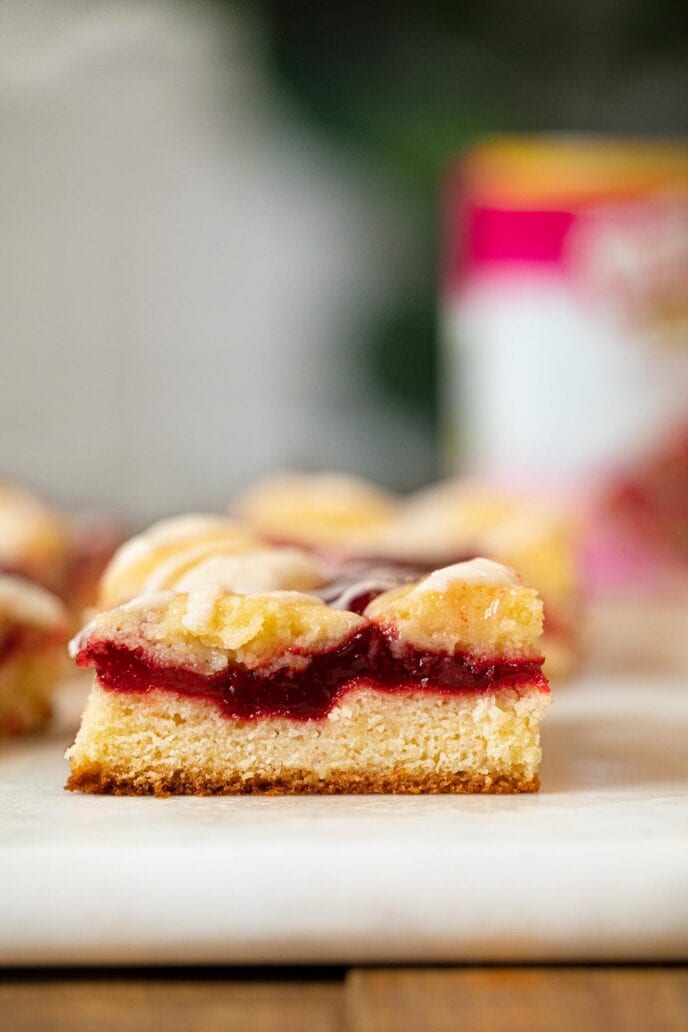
(160, 743)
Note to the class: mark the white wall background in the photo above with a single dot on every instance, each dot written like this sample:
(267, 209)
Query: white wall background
(183, 267)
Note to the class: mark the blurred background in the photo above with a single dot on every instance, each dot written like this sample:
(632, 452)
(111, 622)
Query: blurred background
(404, 240)
(221, 222)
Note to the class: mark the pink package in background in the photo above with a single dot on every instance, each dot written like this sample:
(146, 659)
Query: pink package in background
(564, 310)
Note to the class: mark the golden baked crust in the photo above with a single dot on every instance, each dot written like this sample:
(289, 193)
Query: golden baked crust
(91, 778)
(321, 510)
(483, 619)
(33, 633)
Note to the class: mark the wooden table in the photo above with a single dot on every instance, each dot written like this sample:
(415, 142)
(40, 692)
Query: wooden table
(469, 999)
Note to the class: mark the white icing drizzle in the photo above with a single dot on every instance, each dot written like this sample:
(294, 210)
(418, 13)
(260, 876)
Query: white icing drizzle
(253, 572)
(342, 592)
(166, 574)
(176, 528)
(30, 604)
(79, 640)
(200, 607)
(149, 600)
(475, 571)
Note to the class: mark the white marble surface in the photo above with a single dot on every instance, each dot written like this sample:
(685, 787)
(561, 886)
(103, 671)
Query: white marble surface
(594, 867)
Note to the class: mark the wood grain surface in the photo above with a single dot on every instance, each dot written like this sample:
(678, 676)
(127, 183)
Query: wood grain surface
(519, 999)
(179, 1002)
(498, 999)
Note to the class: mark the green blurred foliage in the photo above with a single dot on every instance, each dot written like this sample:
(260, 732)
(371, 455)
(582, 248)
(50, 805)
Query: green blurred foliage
(410, 84)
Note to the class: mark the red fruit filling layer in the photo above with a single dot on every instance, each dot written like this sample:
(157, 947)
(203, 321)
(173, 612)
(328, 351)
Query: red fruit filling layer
(365, 659)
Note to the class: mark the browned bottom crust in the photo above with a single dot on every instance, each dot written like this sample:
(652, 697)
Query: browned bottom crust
(93, 779)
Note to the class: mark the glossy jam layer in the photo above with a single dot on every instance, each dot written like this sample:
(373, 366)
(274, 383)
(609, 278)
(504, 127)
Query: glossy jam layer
(365, 659)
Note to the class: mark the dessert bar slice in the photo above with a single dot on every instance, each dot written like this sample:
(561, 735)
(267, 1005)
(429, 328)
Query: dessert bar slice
(34, 538)
(436, 686)
(33, 633)
(198, 551)
(324, 511)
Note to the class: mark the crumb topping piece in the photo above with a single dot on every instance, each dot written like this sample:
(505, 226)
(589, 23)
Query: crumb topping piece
(477, 606)
(213, 628)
